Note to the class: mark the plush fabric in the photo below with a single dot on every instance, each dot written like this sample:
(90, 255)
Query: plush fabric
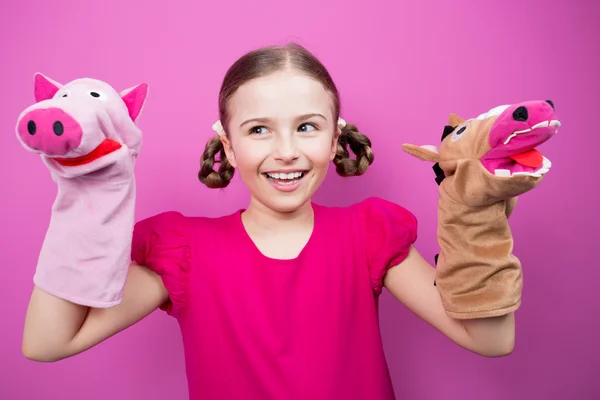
(86, 135)
(482, 165)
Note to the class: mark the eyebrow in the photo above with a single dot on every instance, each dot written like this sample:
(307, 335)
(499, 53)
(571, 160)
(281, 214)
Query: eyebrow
(299, 118)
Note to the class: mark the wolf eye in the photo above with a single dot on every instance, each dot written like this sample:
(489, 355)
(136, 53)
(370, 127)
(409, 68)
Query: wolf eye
(458, 134)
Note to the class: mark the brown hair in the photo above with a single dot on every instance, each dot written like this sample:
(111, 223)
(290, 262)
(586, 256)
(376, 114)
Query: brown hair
(262, 62)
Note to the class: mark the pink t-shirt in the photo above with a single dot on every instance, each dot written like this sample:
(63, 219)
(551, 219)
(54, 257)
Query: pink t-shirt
(256, 328)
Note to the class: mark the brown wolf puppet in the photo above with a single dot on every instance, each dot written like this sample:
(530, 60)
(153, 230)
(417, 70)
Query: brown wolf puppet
(482, 165)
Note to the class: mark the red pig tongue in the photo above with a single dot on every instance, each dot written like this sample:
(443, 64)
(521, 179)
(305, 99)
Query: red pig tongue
(531, 158)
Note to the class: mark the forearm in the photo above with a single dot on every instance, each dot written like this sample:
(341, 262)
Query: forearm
(51, 324)
(494, 336)
(56, 329)
(411, 283)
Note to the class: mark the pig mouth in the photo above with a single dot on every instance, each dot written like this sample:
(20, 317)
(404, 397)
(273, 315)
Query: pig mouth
(518, 155)
(106, 147)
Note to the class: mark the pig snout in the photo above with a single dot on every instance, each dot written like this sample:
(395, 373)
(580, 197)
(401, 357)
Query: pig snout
(50, 131)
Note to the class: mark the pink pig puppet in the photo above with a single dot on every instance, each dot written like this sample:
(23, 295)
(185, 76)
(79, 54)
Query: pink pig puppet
(86, 135)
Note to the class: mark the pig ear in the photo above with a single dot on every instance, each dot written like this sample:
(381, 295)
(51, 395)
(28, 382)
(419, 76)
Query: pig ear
(44, 88)
(135, 98)
(425, 153)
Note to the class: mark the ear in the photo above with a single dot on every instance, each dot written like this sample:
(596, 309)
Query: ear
(228, 150)
(455, 120)
(44, 88)
(426, 153)
(334, 143)
(135, 98)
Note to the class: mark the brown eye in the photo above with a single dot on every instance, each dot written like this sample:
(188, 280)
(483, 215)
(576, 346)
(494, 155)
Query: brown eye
(257, 130)
(306, 127)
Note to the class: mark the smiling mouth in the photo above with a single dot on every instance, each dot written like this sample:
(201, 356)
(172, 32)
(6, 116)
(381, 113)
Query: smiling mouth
(285, 178)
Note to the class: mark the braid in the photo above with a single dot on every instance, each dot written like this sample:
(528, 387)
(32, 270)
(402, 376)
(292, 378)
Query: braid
(207, 175)
(360, 146)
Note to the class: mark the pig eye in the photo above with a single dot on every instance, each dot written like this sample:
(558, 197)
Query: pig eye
(61, 94)
(96, 94)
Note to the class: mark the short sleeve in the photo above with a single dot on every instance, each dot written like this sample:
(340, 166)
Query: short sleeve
(388, 232)
(162, 244)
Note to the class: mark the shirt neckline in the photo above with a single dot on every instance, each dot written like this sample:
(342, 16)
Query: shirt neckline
(313, 237)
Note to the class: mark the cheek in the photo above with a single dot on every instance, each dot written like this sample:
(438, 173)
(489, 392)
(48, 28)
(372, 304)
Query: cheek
(249, 156)
(318, 151)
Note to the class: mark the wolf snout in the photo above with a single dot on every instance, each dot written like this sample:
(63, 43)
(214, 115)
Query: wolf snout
(522, 113)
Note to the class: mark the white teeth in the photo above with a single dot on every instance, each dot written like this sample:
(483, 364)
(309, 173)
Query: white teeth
(291, 175)
(510, 137)
(505, 173)
(542, 124)
(536, 174)
(523, 131)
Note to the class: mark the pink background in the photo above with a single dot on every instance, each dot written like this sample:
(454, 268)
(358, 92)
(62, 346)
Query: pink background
(401, 66)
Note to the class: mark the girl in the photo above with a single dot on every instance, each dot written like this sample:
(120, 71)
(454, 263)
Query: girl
(278, 300)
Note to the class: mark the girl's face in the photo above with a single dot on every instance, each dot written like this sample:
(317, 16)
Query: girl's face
(282, 138)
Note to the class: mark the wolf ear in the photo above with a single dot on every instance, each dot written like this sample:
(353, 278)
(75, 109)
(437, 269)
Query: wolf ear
(455, 120)
(426, 153)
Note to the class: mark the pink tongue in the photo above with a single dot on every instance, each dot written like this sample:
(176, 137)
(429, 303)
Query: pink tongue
(531, 158)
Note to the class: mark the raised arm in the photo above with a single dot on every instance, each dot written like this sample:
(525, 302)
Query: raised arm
(85, 289)
(482, 165)
(56, 329)
(411, 283)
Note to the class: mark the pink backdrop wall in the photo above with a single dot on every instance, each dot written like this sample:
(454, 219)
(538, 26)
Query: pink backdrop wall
(402, 66)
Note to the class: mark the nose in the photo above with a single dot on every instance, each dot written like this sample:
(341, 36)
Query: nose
(286, 149)
(50, 130)
(520, 114)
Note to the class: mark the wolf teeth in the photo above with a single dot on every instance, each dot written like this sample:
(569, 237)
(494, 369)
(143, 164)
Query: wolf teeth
(502, 172)
(505, 173)
(543, 124)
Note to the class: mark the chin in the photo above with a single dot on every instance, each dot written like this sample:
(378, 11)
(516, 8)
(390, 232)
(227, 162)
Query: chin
(284, 206)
